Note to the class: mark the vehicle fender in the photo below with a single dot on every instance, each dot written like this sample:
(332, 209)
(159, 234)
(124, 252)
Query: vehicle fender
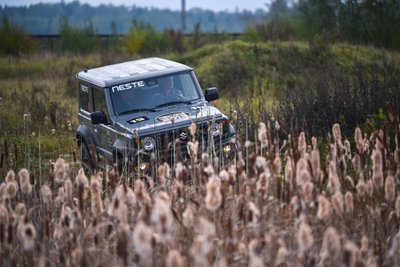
(83, 133)
(120, 147)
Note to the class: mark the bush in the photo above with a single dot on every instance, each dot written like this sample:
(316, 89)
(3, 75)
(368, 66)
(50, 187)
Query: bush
(76, 39)
(14, 41)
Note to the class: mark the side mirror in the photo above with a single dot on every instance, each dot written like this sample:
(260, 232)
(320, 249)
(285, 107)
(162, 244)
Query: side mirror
(211, 94)
(98, 117)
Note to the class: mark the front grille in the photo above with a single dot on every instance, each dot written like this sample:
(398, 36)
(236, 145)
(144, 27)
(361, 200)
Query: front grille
(171, 147)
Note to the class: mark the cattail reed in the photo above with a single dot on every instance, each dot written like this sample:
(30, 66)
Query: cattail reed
(254, 259)
(27, 234)
(174, 259)
(377, 172)
(348, 202)
(47, 195)
(351, 255)
(263, 135)
(308, 188)
(324, 208)
(142, 241)
(11, 184)
(141, 194)
(359, 140)
(336, 132)
(331, 246)
(60, 170)
(213, 197)
(24, 181)
(304, 237)
(161, 217)
(397, 206)
(357, 163)
(315, 164)
(281, 256)
(337, 202)
(390, 188)
(302, 145)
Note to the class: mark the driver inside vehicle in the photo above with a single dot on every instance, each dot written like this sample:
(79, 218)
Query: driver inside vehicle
(168, 87)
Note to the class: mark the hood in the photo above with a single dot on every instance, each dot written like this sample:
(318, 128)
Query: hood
(175, 116)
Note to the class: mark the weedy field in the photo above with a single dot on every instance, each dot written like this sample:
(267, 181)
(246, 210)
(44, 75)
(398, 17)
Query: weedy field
(263, 210)
(287, 200)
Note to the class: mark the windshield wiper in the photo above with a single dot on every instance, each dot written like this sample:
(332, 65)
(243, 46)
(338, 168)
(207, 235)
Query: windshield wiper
(137, 110)
(174, 102)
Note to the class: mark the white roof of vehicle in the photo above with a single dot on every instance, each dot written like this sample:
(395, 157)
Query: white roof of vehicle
(129, 71)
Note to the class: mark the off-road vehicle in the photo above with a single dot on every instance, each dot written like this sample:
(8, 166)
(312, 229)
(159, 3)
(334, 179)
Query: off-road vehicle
(137, 114)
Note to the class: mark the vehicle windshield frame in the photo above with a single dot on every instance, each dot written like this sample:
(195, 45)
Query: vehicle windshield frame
(144, 91)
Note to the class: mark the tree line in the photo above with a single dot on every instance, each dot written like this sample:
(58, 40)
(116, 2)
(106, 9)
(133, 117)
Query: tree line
(144, 30)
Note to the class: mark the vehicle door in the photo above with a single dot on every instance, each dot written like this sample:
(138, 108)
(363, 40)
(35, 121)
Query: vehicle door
(102, 131)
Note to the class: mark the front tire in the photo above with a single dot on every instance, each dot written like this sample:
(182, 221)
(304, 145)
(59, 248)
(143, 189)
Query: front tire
(86, 159)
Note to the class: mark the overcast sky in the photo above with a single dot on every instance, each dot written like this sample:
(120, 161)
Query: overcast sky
(216, 5)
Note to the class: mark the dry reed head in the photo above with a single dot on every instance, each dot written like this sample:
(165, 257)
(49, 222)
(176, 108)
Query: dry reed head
(331, 245)
(390, 188)
(188, 217)
(142, 241)
(205, 228)
(397, 207)
(47, 195)
(315, 164)
(348, 201)
(254, 259)
(10, 177)
(24, 181)
(302, 144)
(141, 194)
(60, 170)
(11, 189)
(359, 140)
(174, 259)
(304, 237)
(333, 178)
(308, 189)
(351, 254)
(302, 172)
(324, 208)
(336, 132)
(26, 233)
(82, 183)
(261, 163)
(263, 135)
(281, 256)
(357, 163)
(337, 202)
(369, 188)
(361, 187)
(213, 197)
(377, 172)
(161, 217)
(289, 173)
(314, 143)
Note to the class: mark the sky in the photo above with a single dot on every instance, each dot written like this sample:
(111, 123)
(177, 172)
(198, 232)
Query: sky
(215, 5)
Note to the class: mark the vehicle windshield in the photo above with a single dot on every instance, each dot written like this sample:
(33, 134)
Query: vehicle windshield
(150, 94)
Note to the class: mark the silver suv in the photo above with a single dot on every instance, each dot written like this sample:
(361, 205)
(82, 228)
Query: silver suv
(137, 114)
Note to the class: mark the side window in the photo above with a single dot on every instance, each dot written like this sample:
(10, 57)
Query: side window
(99, 101)
(84, 98)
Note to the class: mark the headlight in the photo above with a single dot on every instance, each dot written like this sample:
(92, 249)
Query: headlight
(215, 129)
(148, 143)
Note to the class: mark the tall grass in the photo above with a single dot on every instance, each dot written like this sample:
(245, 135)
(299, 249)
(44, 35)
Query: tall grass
(276, 210)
